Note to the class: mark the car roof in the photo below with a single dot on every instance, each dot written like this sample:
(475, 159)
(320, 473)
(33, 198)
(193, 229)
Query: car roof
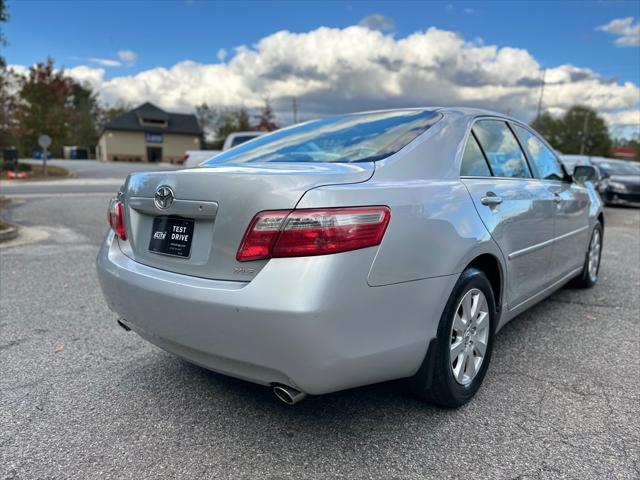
(453, 110)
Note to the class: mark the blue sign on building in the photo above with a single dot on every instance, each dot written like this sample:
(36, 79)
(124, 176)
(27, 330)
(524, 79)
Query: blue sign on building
(153, 137)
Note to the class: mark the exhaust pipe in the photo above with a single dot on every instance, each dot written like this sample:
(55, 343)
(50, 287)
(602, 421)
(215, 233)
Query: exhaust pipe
(124, 326)
(288, 395)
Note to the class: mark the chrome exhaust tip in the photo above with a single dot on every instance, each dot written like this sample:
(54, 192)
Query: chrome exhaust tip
(288, 395)
(124, 326)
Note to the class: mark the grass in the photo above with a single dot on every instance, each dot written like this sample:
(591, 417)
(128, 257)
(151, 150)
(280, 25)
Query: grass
(4, 201)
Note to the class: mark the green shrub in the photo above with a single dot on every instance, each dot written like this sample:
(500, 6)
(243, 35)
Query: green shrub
(22, 167)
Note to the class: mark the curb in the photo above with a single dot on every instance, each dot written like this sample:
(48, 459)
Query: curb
(8, 234)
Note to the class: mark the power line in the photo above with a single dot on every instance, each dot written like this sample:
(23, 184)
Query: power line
(295, 110)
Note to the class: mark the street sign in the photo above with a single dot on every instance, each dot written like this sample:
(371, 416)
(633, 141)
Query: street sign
(153, 137)
(44, 141)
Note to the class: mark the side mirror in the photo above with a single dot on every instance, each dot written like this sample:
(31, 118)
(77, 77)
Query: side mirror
(585, 173)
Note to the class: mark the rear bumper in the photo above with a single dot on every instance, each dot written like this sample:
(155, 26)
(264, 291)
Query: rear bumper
(312, 323)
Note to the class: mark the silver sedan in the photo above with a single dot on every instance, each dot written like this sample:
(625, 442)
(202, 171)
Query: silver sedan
(352, 250)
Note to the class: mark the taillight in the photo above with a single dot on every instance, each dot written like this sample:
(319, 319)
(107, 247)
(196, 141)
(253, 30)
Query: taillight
(306, 232)
(116, 218)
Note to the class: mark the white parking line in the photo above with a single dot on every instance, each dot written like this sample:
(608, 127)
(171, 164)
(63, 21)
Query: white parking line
(54, 195)
(8, 184)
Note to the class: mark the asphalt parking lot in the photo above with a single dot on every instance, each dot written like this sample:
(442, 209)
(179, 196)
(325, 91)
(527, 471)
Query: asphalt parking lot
(81, 398)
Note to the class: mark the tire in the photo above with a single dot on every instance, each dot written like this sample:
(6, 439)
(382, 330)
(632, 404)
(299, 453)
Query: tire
(589, 277)
(436, 379)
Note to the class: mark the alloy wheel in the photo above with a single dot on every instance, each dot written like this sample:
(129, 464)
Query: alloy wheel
(469, 336)
(594, 255)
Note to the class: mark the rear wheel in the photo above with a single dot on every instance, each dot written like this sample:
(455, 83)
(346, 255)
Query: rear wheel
(591, 268)
(458, 358)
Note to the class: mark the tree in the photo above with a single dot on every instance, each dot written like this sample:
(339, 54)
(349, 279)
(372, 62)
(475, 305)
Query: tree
(44, 107)
(8, 103)
(85, 111)
(219, 123)
(579, 130)
(585, 132)
(550, 128)
(266, 118)
(106, 115)
(207, 118)
(4, 17)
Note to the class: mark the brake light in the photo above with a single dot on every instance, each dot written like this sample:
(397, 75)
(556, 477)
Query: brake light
(116, 218)
(306, 232)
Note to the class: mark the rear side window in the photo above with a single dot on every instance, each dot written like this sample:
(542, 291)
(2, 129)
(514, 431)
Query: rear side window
(544, 161)
(473, 161)
(502, 149)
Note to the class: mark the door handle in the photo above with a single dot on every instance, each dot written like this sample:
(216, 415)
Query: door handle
(491, 200)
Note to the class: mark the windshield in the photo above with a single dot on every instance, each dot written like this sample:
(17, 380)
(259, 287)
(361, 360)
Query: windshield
(364, 137)
(619, 168)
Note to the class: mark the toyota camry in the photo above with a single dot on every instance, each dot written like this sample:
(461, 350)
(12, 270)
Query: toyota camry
(352, 250)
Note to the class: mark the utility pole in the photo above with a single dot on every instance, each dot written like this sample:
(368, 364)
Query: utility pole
(295, 110)
(585, 132)
(544, 76)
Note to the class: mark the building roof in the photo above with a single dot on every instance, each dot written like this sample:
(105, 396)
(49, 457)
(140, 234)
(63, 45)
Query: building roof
(147, 118)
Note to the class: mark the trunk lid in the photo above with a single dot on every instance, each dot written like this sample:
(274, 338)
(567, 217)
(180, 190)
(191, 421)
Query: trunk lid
(221, 200)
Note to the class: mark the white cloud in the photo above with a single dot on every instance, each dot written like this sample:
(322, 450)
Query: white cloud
(127, 56)
(222, 54)
(627, 32)
(378, 22)
(626, 117)
(105, 62)
(332, 70)
(84, 74)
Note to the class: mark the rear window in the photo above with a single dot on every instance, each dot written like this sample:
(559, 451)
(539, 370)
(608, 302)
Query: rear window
(241, 139)
(364, 137)
(619, 168)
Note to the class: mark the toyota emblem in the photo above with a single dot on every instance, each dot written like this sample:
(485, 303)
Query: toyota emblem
(164, 197)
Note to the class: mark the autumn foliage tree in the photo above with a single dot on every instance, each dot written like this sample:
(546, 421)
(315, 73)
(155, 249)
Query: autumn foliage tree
(266, 119)
(44, 107)
(218, 123)
(49, 102)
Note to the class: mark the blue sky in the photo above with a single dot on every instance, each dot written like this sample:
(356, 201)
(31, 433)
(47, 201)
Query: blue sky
(87, 36)
(165, 32)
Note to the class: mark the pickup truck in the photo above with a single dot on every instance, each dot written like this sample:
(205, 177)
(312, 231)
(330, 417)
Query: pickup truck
(193, 158)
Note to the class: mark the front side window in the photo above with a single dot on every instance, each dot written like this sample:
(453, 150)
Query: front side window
(543, 159)
(502, 149)
(362, 137)
(473, 161)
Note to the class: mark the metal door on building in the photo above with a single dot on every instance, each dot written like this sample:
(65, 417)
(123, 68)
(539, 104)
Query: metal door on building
(154, 154)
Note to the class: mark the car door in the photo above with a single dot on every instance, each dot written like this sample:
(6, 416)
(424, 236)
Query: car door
(516, 208)
(571, 209)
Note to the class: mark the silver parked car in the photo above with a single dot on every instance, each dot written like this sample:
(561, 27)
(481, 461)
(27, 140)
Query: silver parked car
(352, 250)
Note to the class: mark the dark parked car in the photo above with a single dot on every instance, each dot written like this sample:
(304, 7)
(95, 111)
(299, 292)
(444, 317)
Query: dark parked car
(620, 183)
